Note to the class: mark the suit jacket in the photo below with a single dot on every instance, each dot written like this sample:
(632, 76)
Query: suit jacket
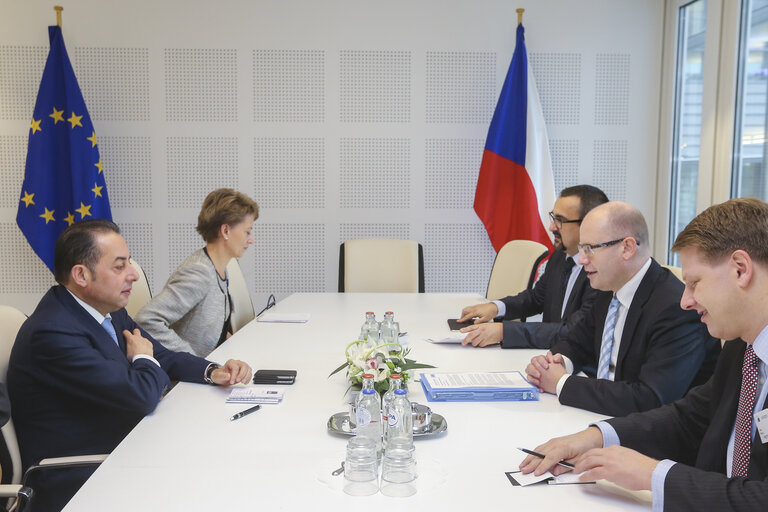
(695, 431)
(662, 351)
(74, 392)
(546, 297)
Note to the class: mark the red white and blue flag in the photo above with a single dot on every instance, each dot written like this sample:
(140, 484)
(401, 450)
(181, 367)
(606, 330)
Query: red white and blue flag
(515, 188)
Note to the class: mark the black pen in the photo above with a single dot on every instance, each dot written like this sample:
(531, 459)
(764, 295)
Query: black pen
(245, 413)
(541, 456)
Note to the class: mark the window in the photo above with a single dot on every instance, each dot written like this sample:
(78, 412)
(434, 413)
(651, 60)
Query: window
(749, 177)
(688, 96)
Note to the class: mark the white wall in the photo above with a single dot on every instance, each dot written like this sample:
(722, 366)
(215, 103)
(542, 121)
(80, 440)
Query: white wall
(343, 119)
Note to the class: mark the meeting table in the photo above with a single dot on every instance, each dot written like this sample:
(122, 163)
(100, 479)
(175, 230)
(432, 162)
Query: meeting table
(187, 455)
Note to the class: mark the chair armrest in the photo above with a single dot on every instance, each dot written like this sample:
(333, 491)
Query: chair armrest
(65, 462)
(74, 461)
(10, 490)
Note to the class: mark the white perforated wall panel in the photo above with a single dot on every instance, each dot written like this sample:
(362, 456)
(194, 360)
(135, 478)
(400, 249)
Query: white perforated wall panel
(289, 173)
(351, 231)
(375, 173)
(558, 80)
(115, 81)
(612, 79)
(25, 272)
(200, 84)
(20, 70)
(342, 121)
(138, 236)
(213, 161)
(451, 249)
(13, 155)
(610, 168)
(289, 85)
(565, 162)
(290, 258)
(451, 172)
(375, 86)
(128, 165)
(461, 87)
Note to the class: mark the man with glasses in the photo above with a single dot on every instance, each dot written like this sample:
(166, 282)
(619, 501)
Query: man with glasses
(709, 450)
(645, 349)
(562, 295)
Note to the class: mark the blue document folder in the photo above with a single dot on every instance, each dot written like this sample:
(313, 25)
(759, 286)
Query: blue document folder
(477, 387)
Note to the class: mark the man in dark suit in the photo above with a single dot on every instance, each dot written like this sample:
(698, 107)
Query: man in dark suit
(82, 374)
(645, 349)
(714, 454)
(562, 295)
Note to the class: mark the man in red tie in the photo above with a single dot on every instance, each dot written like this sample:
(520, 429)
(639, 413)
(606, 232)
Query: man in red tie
(709, 450)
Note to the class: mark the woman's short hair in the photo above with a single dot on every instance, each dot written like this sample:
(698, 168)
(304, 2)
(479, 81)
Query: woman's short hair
(224, 206)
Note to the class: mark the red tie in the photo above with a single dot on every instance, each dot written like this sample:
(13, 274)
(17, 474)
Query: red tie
(742, 445)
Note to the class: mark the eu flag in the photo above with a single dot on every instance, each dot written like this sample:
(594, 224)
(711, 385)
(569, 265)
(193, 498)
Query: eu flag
(64, 180)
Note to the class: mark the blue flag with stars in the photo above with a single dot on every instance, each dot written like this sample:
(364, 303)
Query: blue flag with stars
(64, 180)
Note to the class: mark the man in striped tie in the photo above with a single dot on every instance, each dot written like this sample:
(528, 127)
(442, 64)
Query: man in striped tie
(638, 349)
(709, 450)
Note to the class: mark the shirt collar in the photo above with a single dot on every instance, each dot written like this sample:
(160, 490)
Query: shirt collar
(760, 346)
(576, 264)
(91, 311)
(627, 292)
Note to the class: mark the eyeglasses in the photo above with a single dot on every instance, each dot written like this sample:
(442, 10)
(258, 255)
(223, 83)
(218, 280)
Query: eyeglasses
(589, 249)
(559, 221)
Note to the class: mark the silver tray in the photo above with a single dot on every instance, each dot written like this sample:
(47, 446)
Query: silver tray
(339, 424)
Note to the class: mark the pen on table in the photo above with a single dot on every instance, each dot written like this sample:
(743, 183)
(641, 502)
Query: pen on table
(541, 456)
(245, 413)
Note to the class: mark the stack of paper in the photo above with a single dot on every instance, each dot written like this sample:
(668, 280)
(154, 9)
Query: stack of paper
(253, 395)
(477, 386)
(285, 318)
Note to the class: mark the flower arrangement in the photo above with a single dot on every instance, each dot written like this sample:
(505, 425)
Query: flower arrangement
(380, 361)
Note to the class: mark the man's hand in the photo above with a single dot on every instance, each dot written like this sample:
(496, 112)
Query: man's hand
(546, 371)
(627, 468)
(136, 344)
(483, 312)
(232, 372)
(568, 448)
(483, 335)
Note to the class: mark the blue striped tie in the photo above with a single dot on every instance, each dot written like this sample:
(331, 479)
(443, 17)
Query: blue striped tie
(604, 365)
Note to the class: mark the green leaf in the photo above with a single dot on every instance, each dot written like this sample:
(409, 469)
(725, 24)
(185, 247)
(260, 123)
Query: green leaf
(414, 365)
(337, 370)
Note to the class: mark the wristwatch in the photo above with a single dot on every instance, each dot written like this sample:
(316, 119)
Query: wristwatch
(209, 370)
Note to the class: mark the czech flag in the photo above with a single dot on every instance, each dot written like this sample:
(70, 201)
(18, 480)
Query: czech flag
(515, 188)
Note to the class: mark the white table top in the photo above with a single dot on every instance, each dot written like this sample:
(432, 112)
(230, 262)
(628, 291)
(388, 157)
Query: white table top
(188, 456)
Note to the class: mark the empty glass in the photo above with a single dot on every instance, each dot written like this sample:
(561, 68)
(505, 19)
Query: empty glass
(398, 471)
(361, 470)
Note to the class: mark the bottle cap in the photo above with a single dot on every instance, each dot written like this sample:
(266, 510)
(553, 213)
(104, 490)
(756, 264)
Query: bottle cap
(369, 312)
(395, 376)
(368, 376)
(388, 313)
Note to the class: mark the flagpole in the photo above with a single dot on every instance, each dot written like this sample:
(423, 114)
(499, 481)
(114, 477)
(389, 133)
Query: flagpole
(520, 16)
(59, 8)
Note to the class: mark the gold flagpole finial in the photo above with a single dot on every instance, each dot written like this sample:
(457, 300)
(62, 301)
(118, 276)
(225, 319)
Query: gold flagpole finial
(520, 15)
(58, 10)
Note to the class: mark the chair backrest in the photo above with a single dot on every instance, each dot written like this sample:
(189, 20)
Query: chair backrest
(675, 270)
(10, 320)
(140, 292)
(242, 307)
(514, 267)
(381, 265)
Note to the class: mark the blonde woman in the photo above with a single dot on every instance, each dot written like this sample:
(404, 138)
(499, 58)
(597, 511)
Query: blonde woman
(192, 312)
